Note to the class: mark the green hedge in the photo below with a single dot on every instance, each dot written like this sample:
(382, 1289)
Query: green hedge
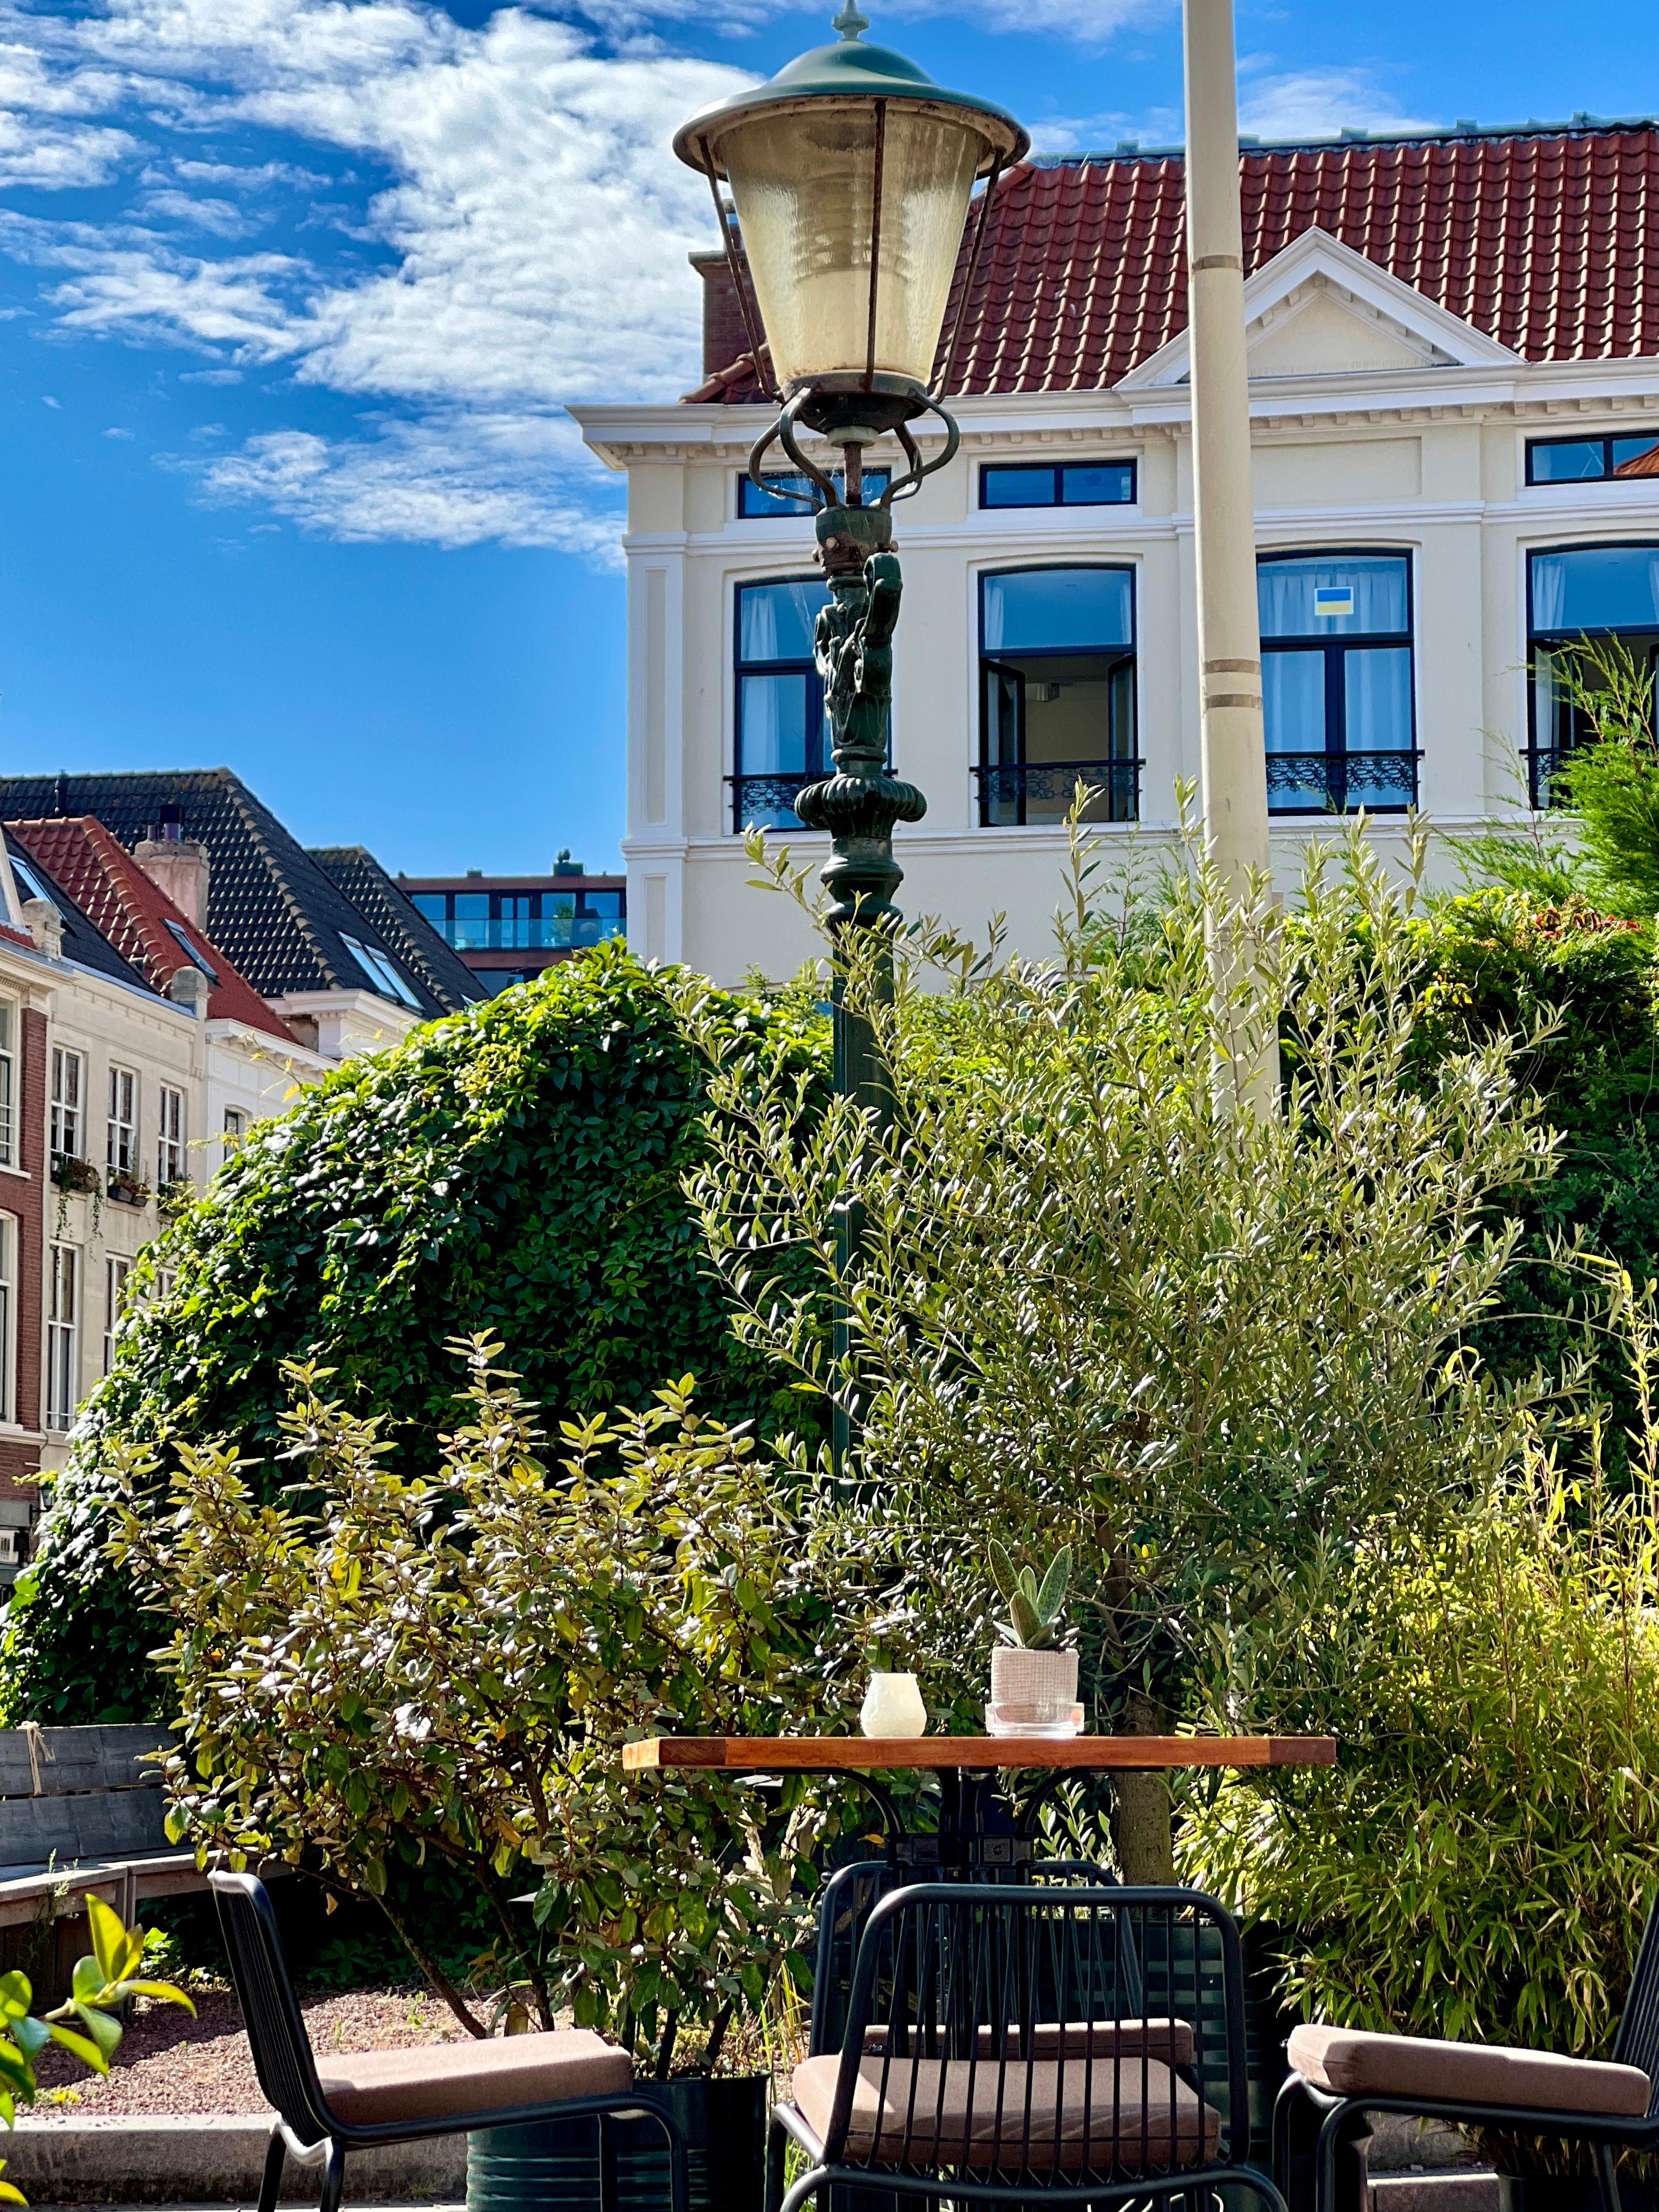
(1505, 960)
(515, 1169)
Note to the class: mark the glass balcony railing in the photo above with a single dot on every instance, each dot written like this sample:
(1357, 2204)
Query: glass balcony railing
(523, 933)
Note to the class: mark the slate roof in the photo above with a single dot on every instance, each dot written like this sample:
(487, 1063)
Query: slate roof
(1546, 238)
(280, 917)
(399, 922)
(83, 944)
(134, 914)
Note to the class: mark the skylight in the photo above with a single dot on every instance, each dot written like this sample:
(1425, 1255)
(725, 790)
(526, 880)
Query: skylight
(379, 971)
(199, 958)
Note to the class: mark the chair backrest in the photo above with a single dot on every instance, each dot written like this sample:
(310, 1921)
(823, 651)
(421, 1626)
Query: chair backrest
(1638, 2041)
(1006, 2027)
(852, 1893)
(283, 2057)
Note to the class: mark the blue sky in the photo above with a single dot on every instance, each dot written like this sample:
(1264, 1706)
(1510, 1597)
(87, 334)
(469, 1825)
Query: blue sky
(293, 293)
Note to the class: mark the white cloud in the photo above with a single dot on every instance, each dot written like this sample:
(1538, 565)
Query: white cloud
(455, 483)
(529, 249)
(1317, 103)
(116, 433)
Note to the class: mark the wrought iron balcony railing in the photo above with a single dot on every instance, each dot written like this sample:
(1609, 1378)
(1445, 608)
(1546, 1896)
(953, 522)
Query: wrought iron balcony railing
(767, 801)
(1544, 762)
(1016, 791)
(1337, 783)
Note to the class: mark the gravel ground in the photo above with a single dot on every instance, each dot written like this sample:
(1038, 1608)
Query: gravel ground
(172, 2065)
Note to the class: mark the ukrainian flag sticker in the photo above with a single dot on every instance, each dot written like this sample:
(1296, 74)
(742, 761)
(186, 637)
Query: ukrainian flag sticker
(1333, 601)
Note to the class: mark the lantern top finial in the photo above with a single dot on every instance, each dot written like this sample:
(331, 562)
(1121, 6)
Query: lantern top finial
(849, 23)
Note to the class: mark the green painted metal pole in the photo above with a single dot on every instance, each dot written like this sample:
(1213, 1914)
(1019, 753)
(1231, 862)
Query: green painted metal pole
(859, 805)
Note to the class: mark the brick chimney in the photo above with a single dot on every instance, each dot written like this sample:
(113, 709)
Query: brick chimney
(176, 865)
(723, 336)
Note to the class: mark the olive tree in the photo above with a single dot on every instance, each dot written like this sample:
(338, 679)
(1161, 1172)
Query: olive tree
(1089, 1301)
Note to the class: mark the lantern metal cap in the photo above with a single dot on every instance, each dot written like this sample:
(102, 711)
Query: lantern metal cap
(859, 74)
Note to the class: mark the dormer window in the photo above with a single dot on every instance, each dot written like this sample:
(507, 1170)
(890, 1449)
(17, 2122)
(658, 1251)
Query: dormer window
(382, 976)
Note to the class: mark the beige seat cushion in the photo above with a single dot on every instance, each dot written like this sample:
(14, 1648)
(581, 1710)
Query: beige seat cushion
(1349, 2063)
(1169, 2040)
(1129, 2114)
(444, 2080)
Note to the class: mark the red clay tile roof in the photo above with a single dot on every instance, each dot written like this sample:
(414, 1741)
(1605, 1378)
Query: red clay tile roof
(119, 900)
(1546, 241)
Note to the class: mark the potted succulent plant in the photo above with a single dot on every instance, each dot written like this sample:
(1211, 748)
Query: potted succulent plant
(1034, 1671)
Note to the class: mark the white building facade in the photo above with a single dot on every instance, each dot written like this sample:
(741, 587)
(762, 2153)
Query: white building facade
(1439, 513)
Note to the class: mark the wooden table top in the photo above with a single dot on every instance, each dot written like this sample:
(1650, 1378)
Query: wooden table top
(853, 1755)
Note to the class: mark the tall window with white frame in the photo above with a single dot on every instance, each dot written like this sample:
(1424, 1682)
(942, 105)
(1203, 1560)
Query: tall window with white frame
(69, 1083)
(782, 739)
(1586, 605)
(1057, 686)
(170, 1150)
(8, 1083)
(63, 1334)
(8, 1250)
(236, 1127)
(1337, 695)
(122, 1149)
(117, 1268)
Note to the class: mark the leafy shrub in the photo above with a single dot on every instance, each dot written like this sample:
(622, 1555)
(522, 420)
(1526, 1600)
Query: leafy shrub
(515, 1169)
(1478, 1863)
(447, 1660)
(1582, 984)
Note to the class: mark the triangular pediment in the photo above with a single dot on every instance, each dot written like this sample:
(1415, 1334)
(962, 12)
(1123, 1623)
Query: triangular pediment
(1321, 309)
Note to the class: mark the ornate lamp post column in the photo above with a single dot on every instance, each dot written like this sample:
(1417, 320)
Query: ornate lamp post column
(851, 173)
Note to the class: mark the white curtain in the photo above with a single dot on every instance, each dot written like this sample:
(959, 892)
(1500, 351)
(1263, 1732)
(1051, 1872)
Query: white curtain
(1549, 590)
(1377, 682)
(1284, 595)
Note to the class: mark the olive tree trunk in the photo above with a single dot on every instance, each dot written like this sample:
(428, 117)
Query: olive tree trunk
(1142, 1827)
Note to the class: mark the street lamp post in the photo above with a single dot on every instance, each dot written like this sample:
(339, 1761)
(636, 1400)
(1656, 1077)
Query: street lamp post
(851, 173)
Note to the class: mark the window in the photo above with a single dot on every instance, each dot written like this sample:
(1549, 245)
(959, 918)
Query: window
(170, 1151)
(8, 1083)
(796, 493)
(235, 1127)
(381, 973)
(1069, 484)
(8, 1317)
(1602, 595)
(1057, 669)
(1336, 682)
(123, 1157)
(116, 1271)
(68, 1090)
(1581, 461)
(782, 738)
(192, 952)
(63, 1334)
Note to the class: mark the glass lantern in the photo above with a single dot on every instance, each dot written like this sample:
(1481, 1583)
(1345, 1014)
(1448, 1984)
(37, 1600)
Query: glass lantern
(851, 172)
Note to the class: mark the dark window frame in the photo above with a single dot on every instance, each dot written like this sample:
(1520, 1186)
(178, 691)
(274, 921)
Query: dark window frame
(767, 508)
(1131, 652)
(1057, 469)
(1605, 439)
(1533, 753)
(813, 719)
(1336, 649)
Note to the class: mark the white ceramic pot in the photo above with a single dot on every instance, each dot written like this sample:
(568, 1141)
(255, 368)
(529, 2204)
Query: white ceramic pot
(892, 1706)
(1033, 1692)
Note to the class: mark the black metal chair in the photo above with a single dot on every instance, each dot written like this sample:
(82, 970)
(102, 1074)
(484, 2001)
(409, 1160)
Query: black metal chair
(998, 2047)
(1339, 2078)
(367, 2097)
